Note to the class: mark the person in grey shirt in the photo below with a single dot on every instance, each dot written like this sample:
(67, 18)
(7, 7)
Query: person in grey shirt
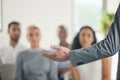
(105, 48)
(31, 65)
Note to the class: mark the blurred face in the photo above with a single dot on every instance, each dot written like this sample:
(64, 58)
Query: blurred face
(62, 34)
(34, 36)
(14, 32)
(86, 37)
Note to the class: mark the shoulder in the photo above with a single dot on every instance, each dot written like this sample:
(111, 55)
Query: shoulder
(4, 47)
(4, 50)
(23, 53)
(22, 47)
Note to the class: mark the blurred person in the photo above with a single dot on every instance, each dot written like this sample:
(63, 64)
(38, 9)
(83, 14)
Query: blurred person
(63, 67)
(98, 70)
(103, 49)
(63, 34)
(9, 53)
(31, 65)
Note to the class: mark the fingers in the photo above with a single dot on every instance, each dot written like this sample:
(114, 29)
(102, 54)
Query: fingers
(66, 50)
(53, 55)
(61, 54)
(56, 47)
(49, 55)
(56, 56)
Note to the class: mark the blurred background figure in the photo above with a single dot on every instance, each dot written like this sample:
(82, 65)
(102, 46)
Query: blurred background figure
(31, 65)
(9, 52)
(63, 34)
(98, 70)
(63, 67)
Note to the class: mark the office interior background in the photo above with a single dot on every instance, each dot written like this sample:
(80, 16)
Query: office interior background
(49, 14)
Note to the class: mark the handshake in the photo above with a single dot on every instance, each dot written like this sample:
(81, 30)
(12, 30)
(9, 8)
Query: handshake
(60, 54)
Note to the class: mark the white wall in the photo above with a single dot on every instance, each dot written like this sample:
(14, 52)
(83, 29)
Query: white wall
(47, 14)
(112, 5)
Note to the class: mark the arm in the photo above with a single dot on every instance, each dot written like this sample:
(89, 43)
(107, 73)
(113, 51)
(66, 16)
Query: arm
(106, 68)
(19, 70)
(74, 73)
(53, 71)
(107, 47)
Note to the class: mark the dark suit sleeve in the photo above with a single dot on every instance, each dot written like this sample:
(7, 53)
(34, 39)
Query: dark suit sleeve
(107, 47)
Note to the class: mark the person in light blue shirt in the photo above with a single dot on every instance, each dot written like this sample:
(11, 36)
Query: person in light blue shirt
(31, 65)
(63, 67)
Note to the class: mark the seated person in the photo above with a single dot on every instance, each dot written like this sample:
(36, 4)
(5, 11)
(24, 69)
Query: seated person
(63, 67)
(31, 65)
(97, 70)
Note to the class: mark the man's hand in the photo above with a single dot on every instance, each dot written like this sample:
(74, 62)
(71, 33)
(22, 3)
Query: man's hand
(60, 54)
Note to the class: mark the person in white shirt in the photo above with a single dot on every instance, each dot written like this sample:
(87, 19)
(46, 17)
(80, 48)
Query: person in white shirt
(9, 53)
(97, 70)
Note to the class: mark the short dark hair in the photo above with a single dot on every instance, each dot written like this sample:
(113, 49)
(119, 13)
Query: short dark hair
(11, 23)
(62, 26)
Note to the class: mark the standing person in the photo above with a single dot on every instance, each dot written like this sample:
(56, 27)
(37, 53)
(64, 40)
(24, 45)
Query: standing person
(98, 70)
(31, 65)
(105, 48)
(63, 67)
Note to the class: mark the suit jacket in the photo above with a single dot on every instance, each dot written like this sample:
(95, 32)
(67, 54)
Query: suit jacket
(107, 47)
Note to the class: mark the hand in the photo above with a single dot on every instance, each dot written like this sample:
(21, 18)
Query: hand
(60, 54)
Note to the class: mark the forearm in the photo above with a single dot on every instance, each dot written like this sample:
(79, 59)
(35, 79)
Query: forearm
(106, 68)
(74, 73)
